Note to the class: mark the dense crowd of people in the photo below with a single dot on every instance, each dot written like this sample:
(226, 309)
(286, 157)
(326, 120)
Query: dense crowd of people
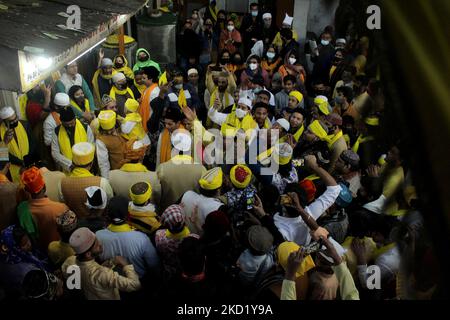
(252, 168)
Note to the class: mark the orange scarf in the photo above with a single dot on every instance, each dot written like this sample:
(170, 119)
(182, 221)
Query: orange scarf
(145, 109)
(166, 146)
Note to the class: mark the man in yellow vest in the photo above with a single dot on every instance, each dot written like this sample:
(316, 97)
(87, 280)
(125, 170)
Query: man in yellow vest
(19, 140)
(70, 132)
(72, 188)
(110, 144)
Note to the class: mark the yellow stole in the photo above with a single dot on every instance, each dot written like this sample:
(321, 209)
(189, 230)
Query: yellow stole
(114, 91)
(178, 236)
(137, 131)
(64, 141)
(213, 12)
(163, 79)
(141, 87)
(299, 133)
(18, 148)
(332, 139)
(95, 83)
(121, 228)
(213, 98)
(360, 140)
(80, 173)
(134, 167)
(76, 106)
(182, 102)
(382, 250)
(233, 122)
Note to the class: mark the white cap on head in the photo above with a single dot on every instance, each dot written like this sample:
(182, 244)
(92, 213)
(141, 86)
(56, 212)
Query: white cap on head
(245, 101)
(181, 141)
(90, 191)
(284, 124)
(192, 71)
(341, 41)
(267, 15)
(118, 76)
(7, 112)
(61, 99)
(288, 20)
(107, 62)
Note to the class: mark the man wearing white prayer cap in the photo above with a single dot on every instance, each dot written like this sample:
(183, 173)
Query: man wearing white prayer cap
(18, 138)
(287, 24)
(269, 30)
(60, 101)
(102, 80)
(120, 92)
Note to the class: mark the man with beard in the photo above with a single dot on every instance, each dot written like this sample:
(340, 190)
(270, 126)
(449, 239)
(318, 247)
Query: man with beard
(102, 79)
(70, 78)
(221, 91)
(120, 92)
(70, 132)
(107, 282)
(18, 138)
(269, 30)
(83, 110)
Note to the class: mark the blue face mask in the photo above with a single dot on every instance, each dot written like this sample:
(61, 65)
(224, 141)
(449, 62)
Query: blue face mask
(254, 13)
(325, 42)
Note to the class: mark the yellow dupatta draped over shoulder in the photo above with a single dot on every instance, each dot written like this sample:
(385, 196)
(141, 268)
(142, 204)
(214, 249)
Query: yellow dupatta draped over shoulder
(64, 140)
(18, 147)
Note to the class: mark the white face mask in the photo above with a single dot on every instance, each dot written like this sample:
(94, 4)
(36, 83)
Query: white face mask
(270, 55)
(240, 113)
(178, 86)
(253, 66)
(292, 60)
(230, 28)
(325, 42)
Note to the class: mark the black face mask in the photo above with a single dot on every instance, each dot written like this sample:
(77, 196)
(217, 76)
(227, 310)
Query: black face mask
(142, 59)
(13, 124)
(237, 61)
(121, 86)
(119, 65)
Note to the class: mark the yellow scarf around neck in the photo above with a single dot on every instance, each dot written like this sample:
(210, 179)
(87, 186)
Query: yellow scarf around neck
(64, 140)
(178, 236)
(120, 228)
(361, 139)
(333, 138)
(76, 106)
(19, 148)
(134, 167)
(299, 133)
(80, 173)
(114, 91)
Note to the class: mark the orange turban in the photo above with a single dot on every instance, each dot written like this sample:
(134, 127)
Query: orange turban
(33, 180)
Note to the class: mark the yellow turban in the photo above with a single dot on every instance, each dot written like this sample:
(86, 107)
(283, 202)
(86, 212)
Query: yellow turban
(141, 198)
(372, 121)
(212, 179)
(282, 153)
(131, 105)
(83, 153)
(316, 128)
(285, 249)
(240, 176)
(107, 119)
(322, 103)
(297, 95)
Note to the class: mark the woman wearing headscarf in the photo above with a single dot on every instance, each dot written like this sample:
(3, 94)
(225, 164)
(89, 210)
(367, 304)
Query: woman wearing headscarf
(121, 65)
(292, 66)
(253, 69)
(83, 110)
(271, 61)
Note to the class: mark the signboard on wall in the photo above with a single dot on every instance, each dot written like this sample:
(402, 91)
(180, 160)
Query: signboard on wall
(36, 68)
